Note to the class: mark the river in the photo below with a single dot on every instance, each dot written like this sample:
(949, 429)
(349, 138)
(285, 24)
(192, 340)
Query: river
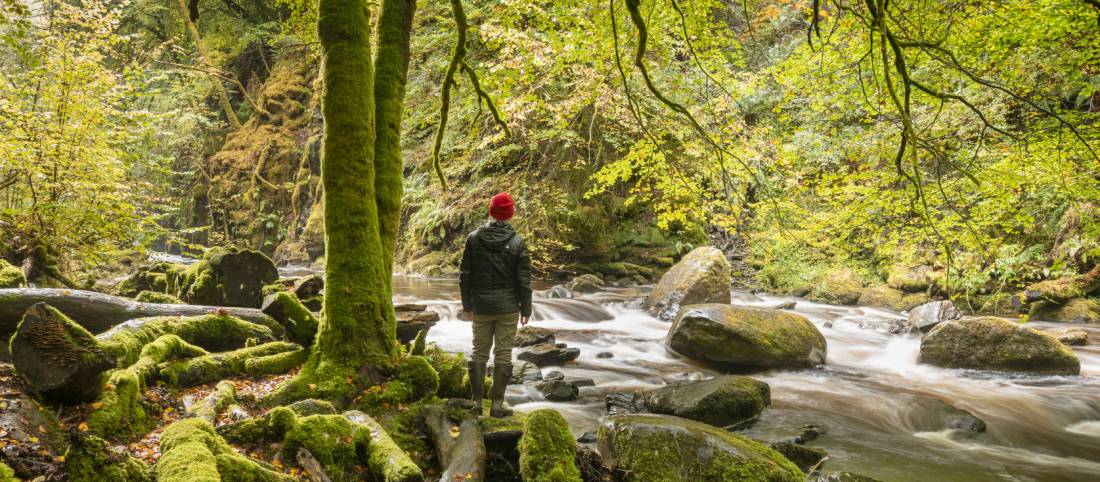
(883, 411)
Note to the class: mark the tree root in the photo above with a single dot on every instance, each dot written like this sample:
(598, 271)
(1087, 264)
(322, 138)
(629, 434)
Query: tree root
(461, 457)
(266, 359)
(92, 459)
(224, 395)
(384, 458)
(192, 452)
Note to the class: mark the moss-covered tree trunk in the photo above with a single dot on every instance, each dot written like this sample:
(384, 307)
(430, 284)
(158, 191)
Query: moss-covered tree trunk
(361, 175)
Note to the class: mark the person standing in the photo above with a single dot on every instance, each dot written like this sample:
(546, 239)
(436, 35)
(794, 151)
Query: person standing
(495, 281)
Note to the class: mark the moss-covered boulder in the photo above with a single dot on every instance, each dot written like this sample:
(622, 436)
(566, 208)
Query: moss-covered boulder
(297, 320)
(839, 287)
(991, 343)
(746, 337)
(908, 279)
(1075, 310)
(721, 401)
(894, 299)
(547, 452)
(11, 276)
(586, 283)
(666, 448)
(157, 297)
(702, 276)
(228, 277)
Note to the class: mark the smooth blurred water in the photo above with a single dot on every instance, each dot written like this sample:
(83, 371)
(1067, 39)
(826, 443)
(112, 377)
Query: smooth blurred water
(882, 409)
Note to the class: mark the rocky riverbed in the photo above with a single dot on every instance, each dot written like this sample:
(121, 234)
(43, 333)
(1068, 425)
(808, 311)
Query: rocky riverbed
(883, 414)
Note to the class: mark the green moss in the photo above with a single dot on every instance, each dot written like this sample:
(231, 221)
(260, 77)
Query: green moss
(268, 358)
(224, 395)
(273, 288)
(333, 440)
(839, 287)
(123, 411)
(10, 276)
(547, 452)
(1076, 310)
(214, 332)
(299, 322)
(653, 448)
(454, 381)
(418, 373)
(272, 425)
(192, 452)
(907, 279)
(92, 459)
(157, 297)
(991, 343)
(7, 474)
(386, 460)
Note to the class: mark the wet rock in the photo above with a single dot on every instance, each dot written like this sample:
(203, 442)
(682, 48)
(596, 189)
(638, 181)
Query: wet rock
(605, 354)
(966, 422)
(746, 337)
(559, 292)
(533, 335)
(586, 283)
(625, 402)
(524, 371)
(908, 279)
(804, 457)
(839, 287)
(702, 276)
(581, 382)
(558, 390)
(927, 316)
(810, 432)
(587, 438)
(991, 343)
(1070, 336)
(554, 375)
(685, 377)
(654, 447)
(784, 305)
(843, 477)
(1076, 310)
(721, 401)
(548, 355)
(411, 319)
(308, 286)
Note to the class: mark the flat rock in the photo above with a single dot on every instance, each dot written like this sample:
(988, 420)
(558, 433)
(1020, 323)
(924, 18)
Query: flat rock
(558, 390)
(548, 355)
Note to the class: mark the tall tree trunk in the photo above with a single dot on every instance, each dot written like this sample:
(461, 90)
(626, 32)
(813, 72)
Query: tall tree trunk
(356, 341)
(391, 68)
(223, 96)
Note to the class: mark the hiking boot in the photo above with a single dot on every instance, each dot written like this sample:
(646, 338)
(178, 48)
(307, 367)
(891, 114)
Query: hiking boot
(502, 374)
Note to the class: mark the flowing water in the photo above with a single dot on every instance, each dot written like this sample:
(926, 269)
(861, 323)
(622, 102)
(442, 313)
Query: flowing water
(884, 412)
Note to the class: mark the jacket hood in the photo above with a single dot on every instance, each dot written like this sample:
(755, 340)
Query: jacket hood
(495, 235)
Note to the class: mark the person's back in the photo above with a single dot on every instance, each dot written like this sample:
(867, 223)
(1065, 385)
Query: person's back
(496, 290)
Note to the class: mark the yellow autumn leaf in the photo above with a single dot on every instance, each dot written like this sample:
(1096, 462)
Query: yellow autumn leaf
(83, 426)
(97, 405)
(455, 432)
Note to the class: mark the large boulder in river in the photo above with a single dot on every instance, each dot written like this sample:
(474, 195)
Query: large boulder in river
(991, 343)
(746, 336)
(927, 316)
(667, 448)
(1075, 310)
(703, 276)
(839, 287)
(721, 401)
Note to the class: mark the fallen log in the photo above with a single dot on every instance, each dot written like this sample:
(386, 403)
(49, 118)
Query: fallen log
(385, 459)
(98, 312)
(458, 443)
(62, 361)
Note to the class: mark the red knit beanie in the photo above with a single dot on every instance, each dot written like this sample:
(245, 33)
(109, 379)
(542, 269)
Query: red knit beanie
(501, 207)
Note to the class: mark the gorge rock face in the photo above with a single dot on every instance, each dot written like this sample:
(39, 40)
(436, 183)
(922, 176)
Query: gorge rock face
(746, 337)
(667, 448)
(703, 276)
(991, 343)
(927, 316)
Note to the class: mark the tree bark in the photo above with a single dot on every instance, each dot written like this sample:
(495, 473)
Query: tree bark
(98, 312)
(461, 457)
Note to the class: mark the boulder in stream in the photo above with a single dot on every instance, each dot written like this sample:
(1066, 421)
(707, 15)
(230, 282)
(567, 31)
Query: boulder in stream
(1070, 336)
(745, 336)
(925, 317)
(663, 447)
(548, 354)
(585, 283)
(839, 287)
(991, 343)
(1075, 310)
(702, 276)
(525, 371)
(533, 335)
(558, 390)
(721, 401)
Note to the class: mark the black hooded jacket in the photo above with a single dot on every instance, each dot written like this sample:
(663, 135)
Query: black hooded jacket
(496, 271)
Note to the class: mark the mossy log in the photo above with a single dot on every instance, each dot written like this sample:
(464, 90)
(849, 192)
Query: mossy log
(461, 457)
(98, 312)
(62, 361)
(386, 461)
(266, 359)
(224, 395)
(192, 452)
